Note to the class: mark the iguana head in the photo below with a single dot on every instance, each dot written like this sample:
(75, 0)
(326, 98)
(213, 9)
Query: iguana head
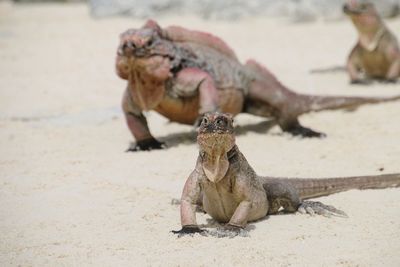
(147, 57)
(143, 42)
(364, 15)
(215, 138)
(216, 132)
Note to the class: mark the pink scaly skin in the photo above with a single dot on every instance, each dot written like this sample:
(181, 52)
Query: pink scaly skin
(183, 74)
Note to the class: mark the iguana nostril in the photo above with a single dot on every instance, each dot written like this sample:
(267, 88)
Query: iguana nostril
(130, 45)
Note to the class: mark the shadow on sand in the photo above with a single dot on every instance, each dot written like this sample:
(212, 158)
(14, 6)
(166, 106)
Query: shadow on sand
(176, 139)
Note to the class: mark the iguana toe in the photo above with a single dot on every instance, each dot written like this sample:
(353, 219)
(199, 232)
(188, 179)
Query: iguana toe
(316, 207)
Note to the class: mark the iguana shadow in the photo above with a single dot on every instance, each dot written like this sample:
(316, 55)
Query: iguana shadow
(176, 139)
(216, 229)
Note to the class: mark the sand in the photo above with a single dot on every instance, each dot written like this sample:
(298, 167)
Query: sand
(70, 196)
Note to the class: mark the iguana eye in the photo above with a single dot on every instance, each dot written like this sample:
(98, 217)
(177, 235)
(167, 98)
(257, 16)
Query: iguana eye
(150, 42)
(220, 122)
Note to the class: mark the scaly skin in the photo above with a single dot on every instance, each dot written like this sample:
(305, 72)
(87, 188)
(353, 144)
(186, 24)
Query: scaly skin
(376, 54)
(183, 74)
(231, 192)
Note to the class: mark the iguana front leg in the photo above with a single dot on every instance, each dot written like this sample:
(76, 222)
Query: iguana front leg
(190, 80)
(353, 67)
(241, 215)
(282, 101)
(190, 196)
(251, 201)
(393, 52)
(237, 223)
(137, 124)
(394, 71)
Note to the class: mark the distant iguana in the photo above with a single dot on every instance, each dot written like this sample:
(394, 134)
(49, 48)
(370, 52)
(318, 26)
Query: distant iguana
(231, 192)
(377, 53)
(183, 74)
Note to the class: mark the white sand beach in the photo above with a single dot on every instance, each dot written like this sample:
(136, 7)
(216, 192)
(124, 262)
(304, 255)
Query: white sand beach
(71, 196)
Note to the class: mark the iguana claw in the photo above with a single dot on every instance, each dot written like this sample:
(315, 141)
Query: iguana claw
(360, 81)
(189, 230)
(230, 231)
(387, 81)
(147, 145)
(316, 207)
(299, 130)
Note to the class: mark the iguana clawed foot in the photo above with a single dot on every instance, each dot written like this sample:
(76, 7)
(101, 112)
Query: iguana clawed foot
(369, 81)
(299, 130)
(189, 230)
(147, 145)
(316, 207)
(227, 230)
(361, 81)
(387, 81)
(230, 231)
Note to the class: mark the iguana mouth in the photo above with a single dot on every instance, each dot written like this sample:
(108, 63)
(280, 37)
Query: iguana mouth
(140, 52)
(216, 142)
(216, 138)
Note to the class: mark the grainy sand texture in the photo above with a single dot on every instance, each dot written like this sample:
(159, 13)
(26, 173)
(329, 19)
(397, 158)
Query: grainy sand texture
(70, 196)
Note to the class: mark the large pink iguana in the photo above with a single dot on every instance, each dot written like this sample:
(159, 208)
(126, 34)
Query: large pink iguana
(183, 74)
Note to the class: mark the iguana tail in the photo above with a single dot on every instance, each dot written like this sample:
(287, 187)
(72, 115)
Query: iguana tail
(328, 70)
(310, 103)
(311, 188)
(276, 94)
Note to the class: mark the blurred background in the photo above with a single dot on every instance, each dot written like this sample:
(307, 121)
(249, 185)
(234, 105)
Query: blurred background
(297, 10)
